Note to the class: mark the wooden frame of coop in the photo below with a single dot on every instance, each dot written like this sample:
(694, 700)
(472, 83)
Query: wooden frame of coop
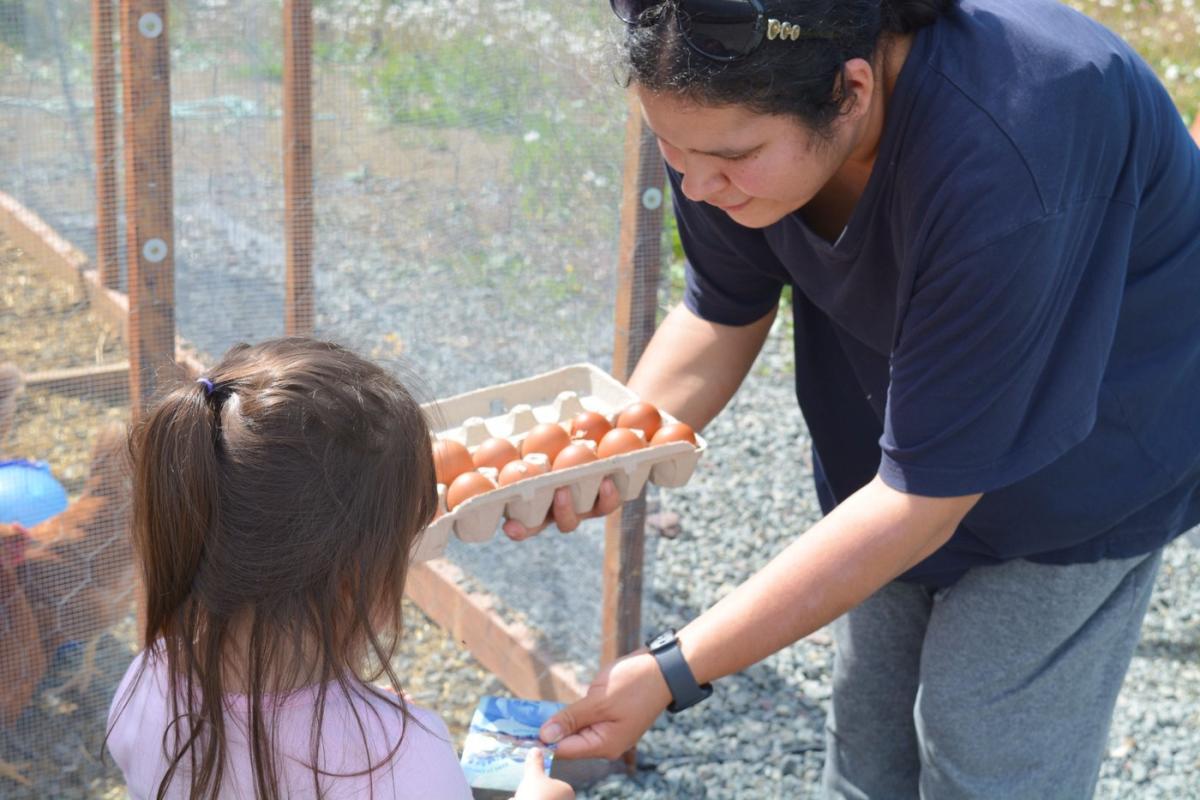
(156, 353)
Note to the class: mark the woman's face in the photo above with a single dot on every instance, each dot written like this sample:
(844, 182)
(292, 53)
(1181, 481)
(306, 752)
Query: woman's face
(756, 168)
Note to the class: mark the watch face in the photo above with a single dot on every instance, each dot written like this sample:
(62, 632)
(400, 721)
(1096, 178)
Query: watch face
(662, 640)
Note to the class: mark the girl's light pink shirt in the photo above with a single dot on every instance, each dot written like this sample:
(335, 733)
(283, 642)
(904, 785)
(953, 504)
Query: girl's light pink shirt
(425, 767)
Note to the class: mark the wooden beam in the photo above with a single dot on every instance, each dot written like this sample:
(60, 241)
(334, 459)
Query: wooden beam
(65, 261)
(640, 259)
(639, 255)
(508, 651)
(149, 202)
(299, 313)
(639, 263)
(104, 90)
(110, 380)
(68, 263)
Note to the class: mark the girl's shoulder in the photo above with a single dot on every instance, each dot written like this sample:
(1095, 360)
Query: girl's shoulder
(385, 702)
(137, 719)
(144, 681)
(409, 746)
(424, 763)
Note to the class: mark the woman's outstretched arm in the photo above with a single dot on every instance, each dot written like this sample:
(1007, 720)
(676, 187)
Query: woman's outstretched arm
(868, 540)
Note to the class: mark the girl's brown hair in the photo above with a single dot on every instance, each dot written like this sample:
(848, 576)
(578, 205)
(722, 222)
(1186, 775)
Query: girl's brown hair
(275, 509)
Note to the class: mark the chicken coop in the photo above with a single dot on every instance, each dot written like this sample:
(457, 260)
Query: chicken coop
(452, 187)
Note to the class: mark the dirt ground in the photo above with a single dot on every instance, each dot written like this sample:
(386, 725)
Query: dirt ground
(46, 323)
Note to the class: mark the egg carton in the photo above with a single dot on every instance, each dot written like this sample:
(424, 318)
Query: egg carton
(510, 410)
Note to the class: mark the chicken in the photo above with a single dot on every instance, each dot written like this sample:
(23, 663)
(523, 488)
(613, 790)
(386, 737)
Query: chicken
(11, 385)
(74, 575)
(22, 658)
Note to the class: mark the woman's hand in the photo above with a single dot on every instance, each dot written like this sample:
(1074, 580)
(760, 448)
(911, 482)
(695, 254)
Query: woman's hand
(537, 785)
(562, 512)
(621, 704)
(690, 369)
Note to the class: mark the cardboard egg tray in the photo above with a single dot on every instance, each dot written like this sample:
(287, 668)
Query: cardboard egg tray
(510, 410)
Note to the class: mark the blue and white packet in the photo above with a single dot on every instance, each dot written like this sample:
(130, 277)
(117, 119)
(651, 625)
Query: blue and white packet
(502, 732)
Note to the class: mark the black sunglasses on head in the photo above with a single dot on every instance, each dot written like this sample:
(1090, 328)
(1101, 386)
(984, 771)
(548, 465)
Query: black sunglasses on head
(722, 30)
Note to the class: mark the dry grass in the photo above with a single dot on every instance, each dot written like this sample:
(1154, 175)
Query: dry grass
(48, 324)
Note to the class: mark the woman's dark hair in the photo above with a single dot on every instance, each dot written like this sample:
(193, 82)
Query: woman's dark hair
(275, 508)
(801, 79)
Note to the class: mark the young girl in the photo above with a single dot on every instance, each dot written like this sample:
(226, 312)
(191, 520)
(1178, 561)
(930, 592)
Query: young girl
(277, 501)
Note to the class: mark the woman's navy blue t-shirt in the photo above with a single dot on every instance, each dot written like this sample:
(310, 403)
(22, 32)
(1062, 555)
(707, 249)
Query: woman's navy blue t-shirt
(1014, 306)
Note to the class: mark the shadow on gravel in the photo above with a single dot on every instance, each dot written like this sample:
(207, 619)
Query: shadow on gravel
(1173, 649)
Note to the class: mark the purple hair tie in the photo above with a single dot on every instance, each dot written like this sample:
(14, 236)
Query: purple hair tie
(208, 386)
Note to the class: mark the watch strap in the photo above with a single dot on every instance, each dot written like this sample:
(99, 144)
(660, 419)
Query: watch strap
(685, 692)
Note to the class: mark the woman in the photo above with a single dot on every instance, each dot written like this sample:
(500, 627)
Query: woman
(989, 211)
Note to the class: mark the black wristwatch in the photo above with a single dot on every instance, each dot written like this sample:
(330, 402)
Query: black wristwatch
(685, 692)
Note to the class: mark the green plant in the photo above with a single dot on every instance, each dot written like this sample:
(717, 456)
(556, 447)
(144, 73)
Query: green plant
(12, 23)
(559, 143)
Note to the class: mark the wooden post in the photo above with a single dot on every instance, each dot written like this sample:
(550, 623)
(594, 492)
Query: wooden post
(104, 89)
(639, 263)
(299, 314)
(149, 204)
(509, 650)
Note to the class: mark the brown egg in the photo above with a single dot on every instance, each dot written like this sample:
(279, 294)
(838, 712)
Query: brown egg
(547, 438)
(529, 467)
(642, 416)
(674, 432)
(589, 425)
(466, 486)
(494, 453)
(619, 440)
(582, 451)
(514, 471)
(450, 459)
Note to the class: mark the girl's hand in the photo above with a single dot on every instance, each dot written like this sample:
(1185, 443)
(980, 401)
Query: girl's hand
(621, 704)
(537, 785)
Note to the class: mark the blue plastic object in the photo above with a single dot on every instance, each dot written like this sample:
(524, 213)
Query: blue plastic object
(29, 493)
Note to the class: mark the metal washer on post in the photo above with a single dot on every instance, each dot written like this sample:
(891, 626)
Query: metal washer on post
(154, 250)
(652, 198)
(150, 25)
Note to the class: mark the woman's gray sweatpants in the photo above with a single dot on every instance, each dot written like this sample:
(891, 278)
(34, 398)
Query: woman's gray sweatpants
(1001, 686)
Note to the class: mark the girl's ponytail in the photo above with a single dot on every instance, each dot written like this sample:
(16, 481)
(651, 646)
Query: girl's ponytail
(175, 502)
(905, 16)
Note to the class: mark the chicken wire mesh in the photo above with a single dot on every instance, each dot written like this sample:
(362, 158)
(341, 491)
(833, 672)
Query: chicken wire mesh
(465, 160)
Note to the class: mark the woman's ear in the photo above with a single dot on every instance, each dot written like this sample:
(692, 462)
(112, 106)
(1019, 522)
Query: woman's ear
(858, 88)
